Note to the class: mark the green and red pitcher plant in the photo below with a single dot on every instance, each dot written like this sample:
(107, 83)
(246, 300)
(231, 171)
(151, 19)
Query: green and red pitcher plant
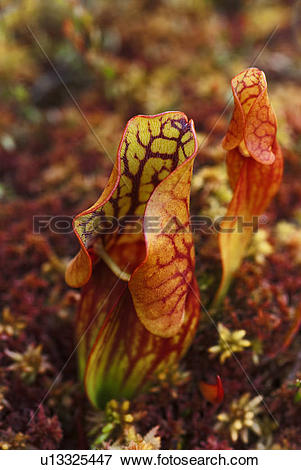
(140, 306)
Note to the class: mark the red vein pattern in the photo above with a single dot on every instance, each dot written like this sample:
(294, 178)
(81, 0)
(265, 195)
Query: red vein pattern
(255, 166)
(133, 328)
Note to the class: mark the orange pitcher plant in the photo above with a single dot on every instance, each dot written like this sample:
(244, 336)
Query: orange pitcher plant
(254, 164)
(139, 306)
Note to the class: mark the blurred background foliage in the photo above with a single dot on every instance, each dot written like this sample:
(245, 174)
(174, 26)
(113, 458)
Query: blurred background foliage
(124, 57)
(137, 56)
